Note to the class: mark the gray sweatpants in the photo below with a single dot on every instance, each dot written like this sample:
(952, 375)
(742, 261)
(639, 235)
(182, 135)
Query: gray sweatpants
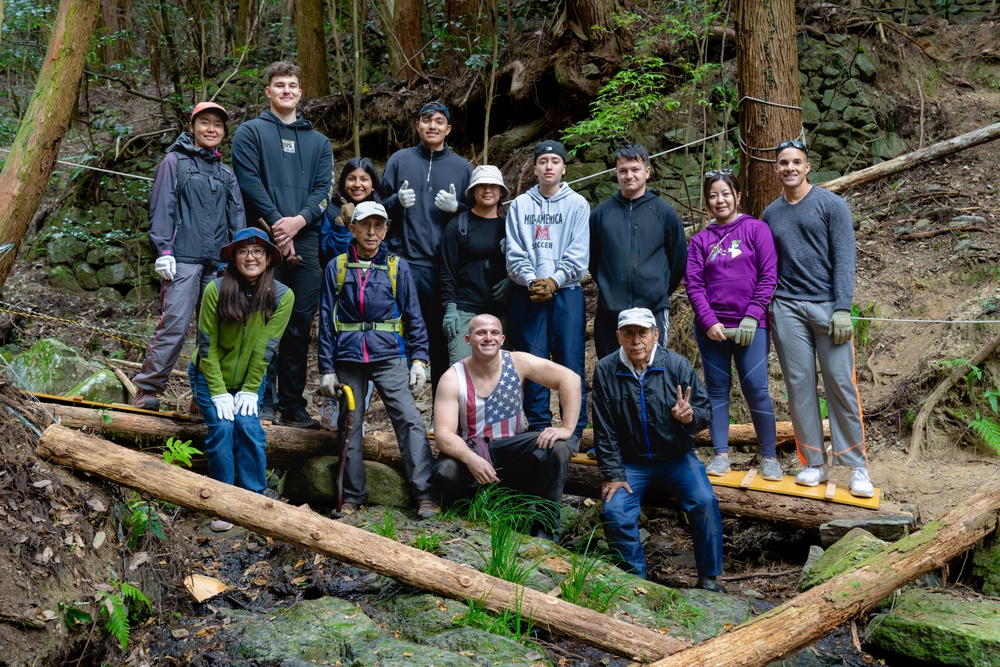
(179, 301)
(391, 378)
(800, 331)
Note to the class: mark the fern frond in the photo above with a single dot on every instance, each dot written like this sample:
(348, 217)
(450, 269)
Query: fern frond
(133, 594)
(113, 609)
(988, 430)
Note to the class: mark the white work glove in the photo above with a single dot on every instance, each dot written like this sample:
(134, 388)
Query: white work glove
(407, 197)
(447, 201)
(418, 377)
(166, 266)
(246, 404)
(225, 406)
(328, 385)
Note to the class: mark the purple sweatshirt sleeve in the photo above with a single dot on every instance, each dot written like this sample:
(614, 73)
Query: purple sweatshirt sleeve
(694, 282)
(767, 273)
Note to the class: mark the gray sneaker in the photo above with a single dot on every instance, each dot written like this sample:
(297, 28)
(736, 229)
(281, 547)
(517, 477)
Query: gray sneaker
(719, 466)
(770, 470)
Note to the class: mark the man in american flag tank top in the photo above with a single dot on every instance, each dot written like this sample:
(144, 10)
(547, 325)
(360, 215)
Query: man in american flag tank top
(479, 424)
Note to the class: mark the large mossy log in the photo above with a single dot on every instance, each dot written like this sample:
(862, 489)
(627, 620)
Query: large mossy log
(288, 446)
(304, 528)
(810, 616)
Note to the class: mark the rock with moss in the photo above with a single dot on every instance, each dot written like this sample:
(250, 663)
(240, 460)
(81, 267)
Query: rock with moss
(940, 628)
(103, 386)
(316, 481)
(51, 367)
(66, 250)
(986, 565)
(845, 555)
(61, 278)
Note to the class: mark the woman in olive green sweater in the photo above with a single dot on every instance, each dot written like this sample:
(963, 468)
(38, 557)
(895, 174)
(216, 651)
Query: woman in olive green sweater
(243, 315)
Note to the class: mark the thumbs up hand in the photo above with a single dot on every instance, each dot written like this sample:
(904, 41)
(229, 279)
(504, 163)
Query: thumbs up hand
(447, 201)
(407, 197)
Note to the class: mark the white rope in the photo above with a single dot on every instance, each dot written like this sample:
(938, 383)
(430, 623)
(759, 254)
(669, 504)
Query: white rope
(85, 166)
(892, 319)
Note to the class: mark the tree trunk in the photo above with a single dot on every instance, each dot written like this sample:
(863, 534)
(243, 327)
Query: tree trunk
(27, 169)
(288, 446)
(594, 17)
(306, 529)
(312, 48)
(810, 616)
(246, 14)
(914, 159)
(401, 26)
(767, 70)
(113, 14)
(468, 29)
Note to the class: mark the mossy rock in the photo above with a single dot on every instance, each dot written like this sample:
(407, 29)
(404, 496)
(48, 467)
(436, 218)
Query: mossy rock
(52, 367)
(66, 250)
(845, 555)
(86, 276)
(940, 629)
(103, 386)
(61, 278)
(986, 565)
(115, 274)
(316, 481)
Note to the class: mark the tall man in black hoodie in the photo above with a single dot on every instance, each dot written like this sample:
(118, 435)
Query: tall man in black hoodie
(419, 187)
(284, 168)
(637, 250)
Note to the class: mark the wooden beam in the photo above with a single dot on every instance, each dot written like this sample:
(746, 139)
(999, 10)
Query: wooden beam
(802, 620)
(304, 528)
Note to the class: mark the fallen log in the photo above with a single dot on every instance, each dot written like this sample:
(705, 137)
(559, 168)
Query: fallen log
(805, 513)
(812, 615)
(306, 529)
(289, 446)
(914, 159)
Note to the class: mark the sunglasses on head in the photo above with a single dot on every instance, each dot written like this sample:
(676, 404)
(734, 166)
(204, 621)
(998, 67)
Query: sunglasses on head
(791, 143)
(718, 172)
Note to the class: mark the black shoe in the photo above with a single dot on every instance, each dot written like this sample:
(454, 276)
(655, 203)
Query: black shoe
(266, 413)
(710, 584)
(298, 418)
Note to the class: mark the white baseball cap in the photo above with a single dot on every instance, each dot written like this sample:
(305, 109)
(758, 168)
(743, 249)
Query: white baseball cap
(366, 209)
(639, 317)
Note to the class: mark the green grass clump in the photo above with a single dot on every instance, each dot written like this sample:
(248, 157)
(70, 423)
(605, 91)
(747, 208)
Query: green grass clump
(586, 585)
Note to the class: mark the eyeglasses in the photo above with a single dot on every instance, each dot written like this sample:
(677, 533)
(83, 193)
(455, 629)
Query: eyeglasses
(718, 172)
(791, 143)
(250, 252)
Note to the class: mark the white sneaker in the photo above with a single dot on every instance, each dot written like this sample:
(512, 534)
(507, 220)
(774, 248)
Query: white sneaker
(220, 526)
(861, 484)
(813, 476)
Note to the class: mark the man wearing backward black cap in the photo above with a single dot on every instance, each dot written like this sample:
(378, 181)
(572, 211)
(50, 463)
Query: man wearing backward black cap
(420, 187)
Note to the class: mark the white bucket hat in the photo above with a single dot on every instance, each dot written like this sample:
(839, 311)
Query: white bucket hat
(486, 174)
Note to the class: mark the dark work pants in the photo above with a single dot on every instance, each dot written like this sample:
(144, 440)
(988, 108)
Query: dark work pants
(428, 282)
(289, 365)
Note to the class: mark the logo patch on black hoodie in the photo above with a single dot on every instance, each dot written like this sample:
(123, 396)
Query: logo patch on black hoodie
(288, 145)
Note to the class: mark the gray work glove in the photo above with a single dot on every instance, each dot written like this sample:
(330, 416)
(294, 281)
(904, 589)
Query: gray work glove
(840, 327)
(418, 377)
(501, 291)
(446, 200)
(745, 333)
(329, 385)
(407, 197)
(451, 321)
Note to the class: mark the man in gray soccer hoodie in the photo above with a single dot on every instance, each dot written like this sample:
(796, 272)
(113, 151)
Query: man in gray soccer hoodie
(548, 250)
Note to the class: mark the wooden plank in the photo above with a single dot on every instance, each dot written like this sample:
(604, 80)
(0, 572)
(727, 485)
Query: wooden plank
(788, 487)
(831, 491)
(748, 478)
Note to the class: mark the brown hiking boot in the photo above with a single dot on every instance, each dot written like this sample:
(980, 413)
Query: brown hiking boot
(146, 400)
(428, 509)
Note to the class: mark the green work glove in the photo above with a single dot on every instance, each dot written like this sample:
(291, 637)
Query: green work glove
(840, 327)
(744, 335)
(450, 321)
(501, 291)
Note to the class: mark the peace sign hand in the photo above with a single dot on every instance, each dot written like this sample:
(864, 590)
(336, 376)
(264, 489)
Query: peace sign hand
(682, 410)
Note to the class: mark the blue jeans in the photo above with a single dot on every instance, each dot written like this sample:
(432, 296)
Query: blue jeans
(556, 329)
(234, 449)
(717, 357)
(685, 478)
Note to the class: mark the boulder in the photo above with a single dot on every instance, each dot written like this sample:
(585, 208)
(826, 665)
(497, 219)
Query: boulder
(939, 628)
(843, 556)
(888, 529)
(66, 250)
(103, 386)
(61, 278)
(316, 481)
(51, 367)
(986, 565)
(86, 276)
(118, 273)
(864, 67)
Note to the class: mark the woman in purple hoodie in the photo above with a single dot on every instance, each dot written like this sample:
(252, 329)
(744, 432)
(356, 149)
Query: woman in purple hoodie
(732, 269)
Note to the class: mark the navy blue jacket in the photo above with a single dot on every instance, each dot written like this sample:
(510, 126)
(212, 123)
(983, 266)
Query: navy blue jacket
(632, 420)
(416, 232)
(637, 252)
(367, 297)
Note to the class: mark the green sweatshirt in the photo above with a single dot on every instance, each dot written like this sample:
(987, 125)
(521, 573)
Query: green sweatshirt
(234, 355)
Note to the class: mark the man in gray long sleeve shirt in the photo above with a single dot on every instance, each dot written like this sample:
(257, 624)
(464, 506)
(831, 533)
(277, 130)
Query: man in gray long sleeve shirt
(811, 318)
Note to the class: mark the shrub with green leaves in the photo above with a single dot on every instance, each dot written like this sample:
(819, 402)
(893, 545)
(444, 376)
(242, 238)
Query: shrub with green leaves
(180, 453)
(141, 518)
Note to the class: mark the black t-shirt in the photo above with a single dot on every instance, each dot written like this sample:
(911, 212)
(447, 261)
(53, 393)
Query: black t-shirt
(472, 265)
